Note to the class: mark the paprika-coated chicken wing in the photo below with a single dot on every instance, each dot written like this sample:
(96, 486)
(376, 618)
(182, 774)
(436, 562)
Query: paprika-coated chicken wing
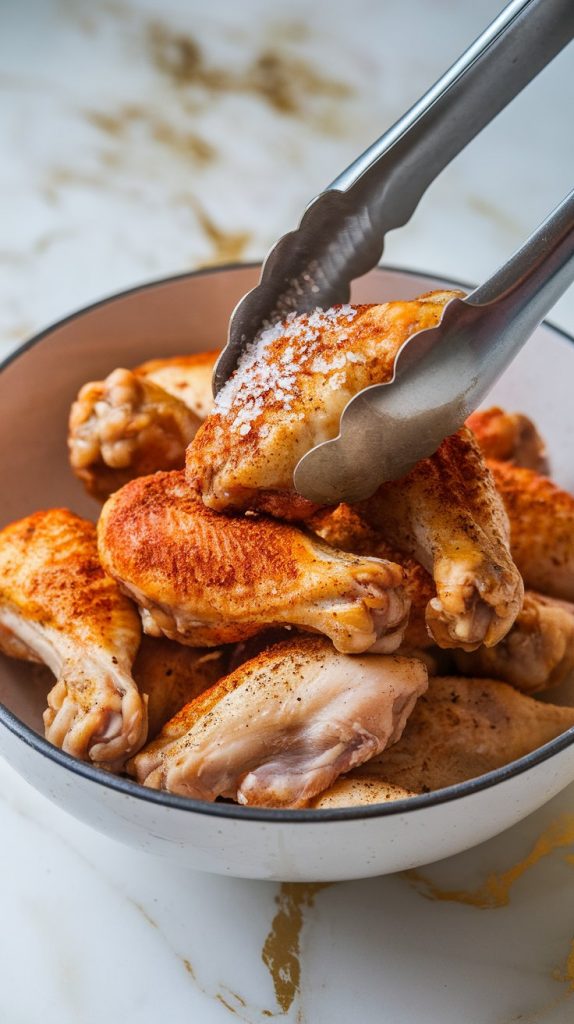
(123, 427)
(287, 395)
(57, 606)
(447, 514)
(541, 519)
(204, 579)
(509, 437)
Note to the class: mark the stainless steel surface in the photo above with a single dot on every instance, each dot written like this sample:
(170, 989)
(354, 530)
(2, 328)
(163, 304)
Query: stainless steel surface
(442, 374)
(341, 235)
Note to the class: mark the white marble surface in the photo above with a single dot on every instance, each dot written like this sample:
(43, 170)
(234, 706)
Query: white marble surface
(131, 155)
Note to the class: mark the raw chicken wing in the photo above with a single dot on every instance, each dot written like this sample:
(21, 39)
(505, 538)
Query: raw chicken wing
(536, 654)
(509, 437)
(287, 395)
(459, 729)
(541, 528)
(206, 579)
(126, 426)
(448, 516)
(169, 675)
(283, 726)
(57, 606)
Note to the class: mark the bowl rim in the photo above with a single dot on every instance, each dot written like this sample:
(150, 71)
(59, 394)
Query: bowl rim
(130, 788)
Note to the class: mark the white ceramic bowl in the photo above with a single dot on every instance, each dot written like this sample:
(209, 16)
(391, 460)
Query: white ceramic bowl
(185, 314)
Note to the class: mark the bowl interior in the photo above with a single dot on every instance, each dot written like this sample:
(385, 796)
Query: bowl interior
(188, 314)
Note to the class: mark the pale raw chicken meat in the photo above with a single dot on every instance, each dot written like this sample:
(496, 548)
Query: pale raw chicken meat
(284, 725)
(459, 729)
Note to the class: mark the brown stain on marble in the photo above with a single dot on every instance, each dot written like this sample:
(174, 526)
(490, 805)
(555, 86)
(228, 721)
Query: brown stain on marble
(227, 246)
(188, 966)
(495, 891)
(59, 178)
(282, 947)
(566, 975)
(284, 81)
(120, 123)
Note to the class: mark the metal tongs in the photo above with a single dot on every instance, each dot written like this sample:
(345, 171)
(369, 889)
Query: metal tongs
(443, 375)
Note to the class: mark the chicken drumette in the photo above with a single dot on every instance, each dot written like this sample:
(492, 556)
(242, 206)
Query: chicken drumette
(57, 606)
(205, 579)
(447, 515)
(138, 421)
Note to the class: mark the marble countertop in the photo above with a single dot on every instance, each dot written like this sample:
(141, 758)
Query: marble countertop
(149, 138)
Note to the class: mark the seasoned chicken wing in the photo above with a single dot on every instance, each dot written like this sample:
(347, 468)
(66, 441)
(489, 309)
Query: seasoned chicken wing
(509, 437)
(536, 654)
(460, 728)
(185, 377)
(346, 528)
(126, 426)
(541, 518)
(447, 515)
(170, 675)
(284, 725)
(57, 606)
(206, 579)
(287, 395)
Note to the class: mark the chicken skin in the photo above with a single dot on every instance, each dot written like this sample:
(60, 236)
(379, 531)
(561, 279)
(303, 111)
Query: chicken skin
(138, 421)
(185, 377)
(170, 675)
(284, 725)
(206, 579)
(509, 437)
(459, 729)
(57, 606)
(287, 395)
(541, 528)
(536, 654)
(447, 515)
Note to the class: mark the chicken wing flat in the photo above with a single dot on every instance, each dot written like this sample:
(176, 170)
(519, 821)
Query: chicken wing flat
(58, 606)
(206, 579)
(447, 514)
(126, 426)
(541, 528)
(509, 437)
(536, 654)
(283, 726)
(459, 729)
(287, 395)
(170, 675)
